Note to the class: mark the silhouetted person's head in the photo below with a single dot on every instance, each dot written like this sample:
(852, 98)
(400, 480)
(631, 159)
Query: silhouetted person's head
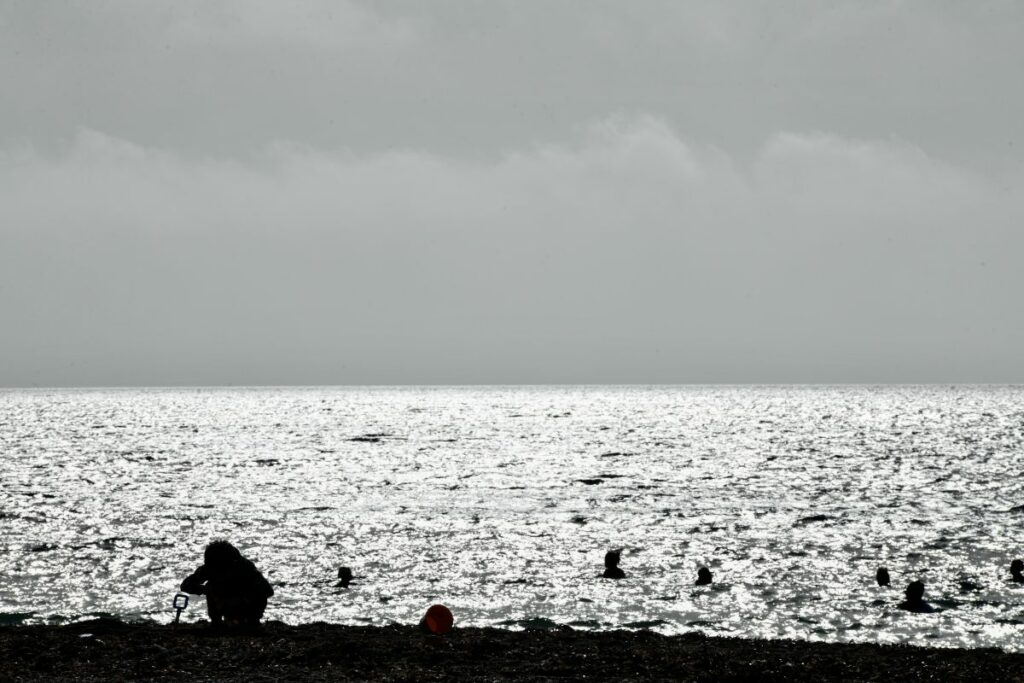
(221, 557)
(611, 565)
(915, 600)
(611, 559)
(882, 576)
(345, 574)
(1017, 569)
(703, 576)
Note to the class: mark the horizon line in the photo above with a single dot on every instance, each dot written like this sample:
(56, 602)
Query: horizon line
(101, 387)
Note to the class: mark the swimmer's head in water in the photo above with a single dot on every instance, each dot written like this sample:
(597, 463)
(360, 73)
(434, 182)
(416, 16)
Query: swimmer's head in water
(915, 591)
(703, 576)
(1016, 567)
(345, 574)
(882, 576)
(611, 558)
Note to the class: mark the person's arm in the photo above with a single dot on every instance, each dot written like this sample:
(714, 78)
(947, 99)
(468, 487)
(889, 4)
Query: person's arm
(264, 585)
(194, 582)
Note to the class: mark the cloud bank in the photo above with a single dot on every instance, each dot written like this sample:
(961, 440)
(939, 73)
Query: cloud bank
(624, 255)
(468, 80)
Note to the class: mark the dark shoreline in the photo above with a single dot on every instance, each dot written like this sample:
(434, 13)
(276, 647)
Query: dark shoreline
(109, 650)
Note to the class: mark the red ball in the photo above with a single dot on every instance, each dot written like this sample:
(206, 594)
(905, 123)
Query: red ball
(439, 619)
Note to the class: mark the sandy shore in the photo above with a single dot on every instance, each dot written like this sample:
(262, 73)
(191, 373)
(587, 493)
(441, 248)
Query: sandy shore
(106, 650)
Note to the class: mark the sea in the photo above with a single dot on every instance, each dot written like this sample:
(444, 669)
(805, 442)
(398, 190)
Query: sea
(501, 502)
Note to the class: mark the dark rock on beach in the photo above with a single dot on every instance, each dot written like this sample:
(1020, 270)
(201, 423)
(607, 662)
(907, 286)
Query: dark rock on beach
(108, 650)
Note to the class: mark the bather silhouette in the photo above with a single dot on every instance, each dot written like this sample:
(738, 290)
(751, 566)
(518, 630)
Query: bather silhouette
(882, 576)
(611, 565)
(235, 590)
(345, 574)
(703, 577)
(915, 599)
(1017, 570)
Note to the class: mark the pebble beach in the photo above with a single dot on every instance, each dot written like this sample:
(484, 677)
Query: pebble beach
(111, 650)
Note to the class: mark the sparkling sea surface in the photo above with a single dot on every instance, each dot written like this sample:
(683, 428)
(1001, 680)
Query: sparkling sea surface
(500, 502)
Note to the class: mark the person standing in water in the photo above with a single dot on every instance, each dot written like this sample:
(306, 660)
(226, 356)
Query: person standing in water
(915, 599)
(611, 565)
(703, 577)
(345, 574)
(882, 576)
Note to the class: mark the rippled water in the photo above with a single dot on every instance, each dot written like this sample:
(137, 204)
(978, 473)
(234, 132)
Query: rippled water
(501, 502)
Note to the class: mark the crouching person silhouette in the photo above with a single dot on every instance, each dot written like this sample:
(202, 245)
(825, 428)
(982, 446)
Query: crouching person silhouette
(236, 592)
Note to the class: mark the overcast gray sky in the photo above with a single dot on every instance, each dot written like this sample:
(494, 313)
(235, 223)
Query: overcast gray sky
(331, 192)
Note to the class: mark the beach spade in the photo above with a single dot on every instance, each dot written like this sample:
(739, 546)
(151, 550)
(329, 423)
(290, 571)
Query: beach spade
(438, 620)
(179, 604)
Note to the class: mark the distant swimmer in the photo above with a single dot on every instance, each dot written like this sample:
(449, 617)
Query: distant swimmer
(882, 576)
(611, 565)
(1017, 570)
(915, 599)
(345, 574)
(703, 577)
